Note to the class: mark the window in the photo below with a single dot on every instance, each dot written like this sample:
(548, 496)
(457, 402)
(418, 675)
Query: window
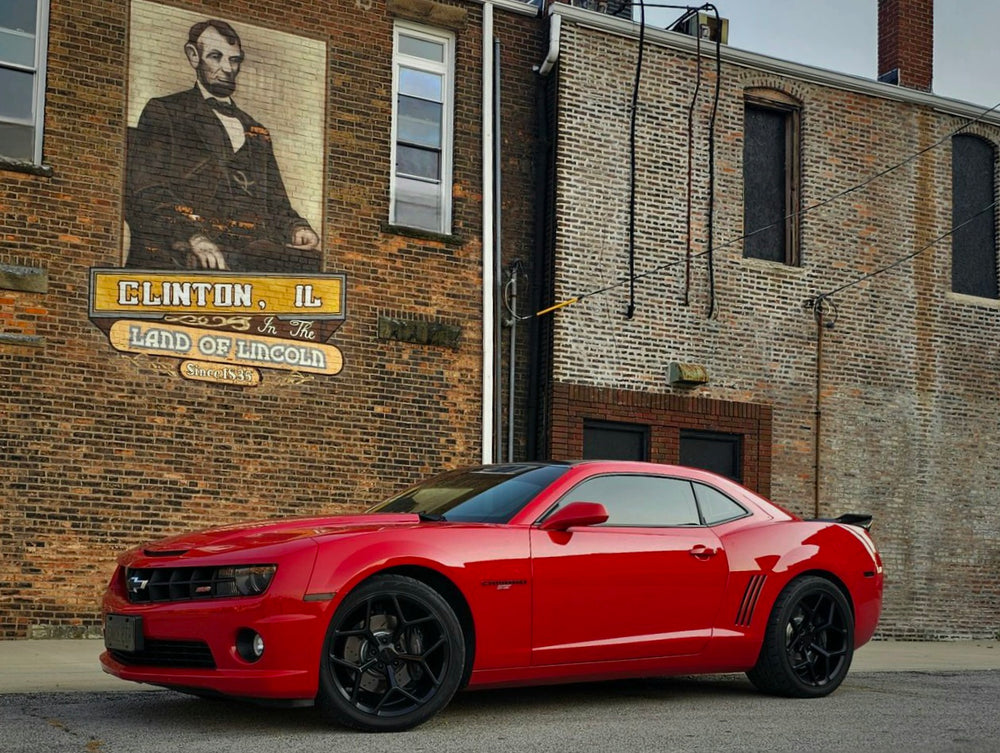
(420, 192)
(771, 178)
(23, 36)
(973, 193)
(604, 440)
(633, 500)
(715, 506)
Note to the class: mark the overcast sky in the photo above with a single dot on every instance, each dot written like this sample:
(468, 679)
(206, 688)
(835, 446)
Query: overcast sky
(841, 35)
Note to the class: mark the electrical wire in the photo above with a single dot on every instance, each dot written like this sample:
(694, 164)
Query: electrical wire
(825, 297)
(515, 270)
(871, 179)
(712, 310)
(690, 173)
(846, 192)
(630, 311)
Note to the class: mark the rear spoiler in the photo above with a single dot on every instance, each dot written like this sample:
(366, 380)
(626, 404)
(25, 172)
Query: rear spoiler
(851, 519)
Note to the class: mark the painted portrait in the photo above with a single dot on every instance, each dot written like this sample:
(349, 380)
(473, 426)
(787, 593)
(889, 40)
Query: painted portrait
(224, 163)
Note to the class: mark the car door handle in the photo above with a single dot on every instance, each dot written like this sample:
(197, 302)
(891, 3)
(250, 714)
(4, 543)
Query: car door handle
(702, 552)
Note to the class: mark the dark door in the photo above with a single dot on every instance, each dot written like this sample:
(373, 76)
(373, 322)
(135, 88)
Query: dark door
(712, 451)
(604, 440)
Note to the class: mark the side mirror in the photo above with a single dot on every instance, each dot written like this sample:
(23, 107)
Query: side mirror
(576, 514)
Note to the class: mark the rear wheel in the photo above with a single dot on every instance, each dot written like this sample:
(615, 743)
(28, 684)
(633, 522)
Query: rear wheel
(393, 656)
(809, 641)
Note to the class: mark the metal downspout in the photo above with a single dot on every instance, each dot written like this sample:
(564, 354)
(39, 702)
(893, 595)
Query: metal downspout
(498, 268)
(489, 248)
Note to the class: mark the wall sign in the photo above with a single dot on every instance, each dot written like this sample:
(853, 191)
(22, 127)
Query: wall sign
(222, 256)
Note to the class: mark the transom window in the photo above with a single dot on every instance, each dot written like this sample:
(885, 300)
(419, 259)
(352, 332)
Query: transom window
(420, 194)
(23, 37)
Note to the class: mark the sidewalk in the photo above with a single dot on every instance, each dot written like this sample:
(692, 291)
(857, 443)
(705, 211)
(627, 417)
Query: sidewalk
(35, 666)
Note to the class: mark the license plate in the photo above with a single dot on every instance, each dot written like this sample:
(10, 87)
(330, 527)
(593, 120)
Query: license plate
(123, 632)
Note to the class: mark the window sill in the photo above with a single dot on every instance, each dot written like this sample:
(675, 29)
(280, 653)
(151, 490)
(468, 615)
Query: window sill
(772, 266)
(973, 300)
(427, 235)
(20, 166)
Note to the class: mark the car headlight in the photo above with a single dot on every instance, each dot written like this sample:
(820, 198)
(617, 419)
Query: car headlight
(250, 580)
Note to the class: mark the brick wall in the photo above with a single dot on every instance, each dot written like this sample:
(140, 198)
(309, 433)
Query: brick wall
(910, 371)
(102, 450)
(665, 416)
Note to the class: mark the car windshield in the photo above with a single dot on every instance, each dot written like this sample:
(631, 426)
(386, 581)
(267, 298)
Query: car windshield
(488, 494)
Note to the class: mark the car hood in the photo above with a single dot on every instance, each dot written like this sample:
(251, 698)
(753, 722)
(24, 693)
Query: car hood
(243, 536)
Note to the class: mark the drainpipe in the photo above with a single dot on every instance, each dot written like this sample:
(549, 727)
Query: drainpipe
(497, 267)
(817, 429)
(555, 26)
(489, 247)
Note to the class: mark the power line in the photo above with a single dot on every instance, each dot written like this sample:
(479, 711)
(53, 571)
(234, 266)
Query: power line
(632, 277)
(817, 300)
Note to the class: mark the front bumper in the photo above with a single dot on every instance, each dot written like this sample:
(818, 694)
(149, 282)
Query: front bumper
(192, 645)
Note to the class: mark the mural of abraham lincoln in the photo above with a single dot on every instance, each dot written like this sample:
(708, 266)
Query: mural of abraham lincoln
(203, 187)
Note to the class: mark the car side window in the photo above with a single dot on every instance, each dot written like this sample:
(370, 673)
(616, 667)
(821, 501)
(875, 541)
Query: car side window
(636, 500)
(715, 506)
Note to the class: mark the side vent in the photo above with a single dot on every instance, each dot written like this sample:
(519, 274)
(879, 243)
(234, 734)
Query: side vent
(749, 603)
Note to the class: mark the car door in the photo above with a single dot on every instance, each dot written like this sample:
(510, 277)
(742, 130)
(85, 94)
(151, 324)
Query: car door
(648, 582)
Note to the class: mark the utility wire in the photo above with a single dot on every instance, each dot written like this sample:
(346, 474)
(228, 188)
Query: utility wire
(662, 267)
(712, 310)
(630, 312)
(818, 299)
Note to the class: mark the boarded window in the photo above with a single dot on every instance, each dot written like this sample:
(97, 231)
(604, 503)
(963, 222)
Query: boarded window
(974, 242)
(771, 181)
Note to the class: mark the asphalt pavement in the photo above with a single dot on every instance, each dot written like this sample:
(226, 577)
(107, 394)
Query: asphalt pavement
(39, 666)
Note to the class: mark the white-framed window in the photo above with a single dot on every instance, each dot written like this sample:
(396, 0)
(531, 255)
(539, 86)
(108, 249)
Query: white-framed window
(423, 72)
(23, 44)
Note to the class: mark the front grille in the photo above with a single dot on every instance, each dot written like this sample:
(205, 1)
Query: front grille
(178, 583)
(155, 653)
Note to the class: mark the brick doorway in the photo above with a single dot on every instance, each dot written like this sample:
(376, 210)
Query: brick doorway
(661, 428)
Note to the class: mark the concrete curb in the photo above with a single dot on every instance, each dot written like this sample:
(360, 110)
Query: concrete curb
(39, 666)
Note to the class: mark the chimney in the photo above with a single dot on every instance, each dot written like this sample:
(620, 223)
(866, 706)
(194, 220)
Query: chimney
(906, 43)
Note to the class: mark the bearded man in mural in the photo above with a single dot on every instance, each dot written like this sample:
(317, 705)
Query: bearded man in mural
(203, 187)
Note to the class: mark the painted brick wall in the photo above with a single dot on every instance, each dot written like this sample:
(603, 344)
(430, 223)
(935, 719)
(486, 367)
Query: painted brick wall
(910, 373)
(102, 450)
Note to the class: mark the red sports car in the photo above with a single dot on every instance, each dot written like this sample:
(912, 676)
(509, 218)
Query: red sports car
(499, 575)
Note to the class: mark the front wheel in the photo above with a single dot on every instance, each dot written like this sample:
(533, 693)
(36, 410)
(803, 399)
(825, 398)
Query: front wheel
(393, 656)
(809, 641)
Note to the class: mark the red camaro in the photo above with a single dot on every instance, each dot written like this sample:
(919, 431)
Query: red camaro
(499, 575)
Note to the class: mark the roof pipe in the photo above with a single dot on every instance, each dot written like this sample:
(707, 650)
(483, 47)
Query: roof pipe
(489, 245)
(555, 27)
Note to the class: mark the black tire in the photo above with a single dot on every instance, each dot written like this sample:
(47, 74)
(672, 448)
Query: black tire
(809, 641)
(393, 656)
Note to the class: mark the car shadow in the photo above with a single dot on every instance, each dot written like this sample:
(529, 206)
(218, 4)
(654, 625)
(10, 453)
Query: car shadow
(168, 709)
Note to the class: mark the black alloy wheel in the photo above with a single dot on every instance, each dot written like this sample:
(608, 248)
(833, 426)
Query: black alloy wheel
(809, 641)
(393, 656)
